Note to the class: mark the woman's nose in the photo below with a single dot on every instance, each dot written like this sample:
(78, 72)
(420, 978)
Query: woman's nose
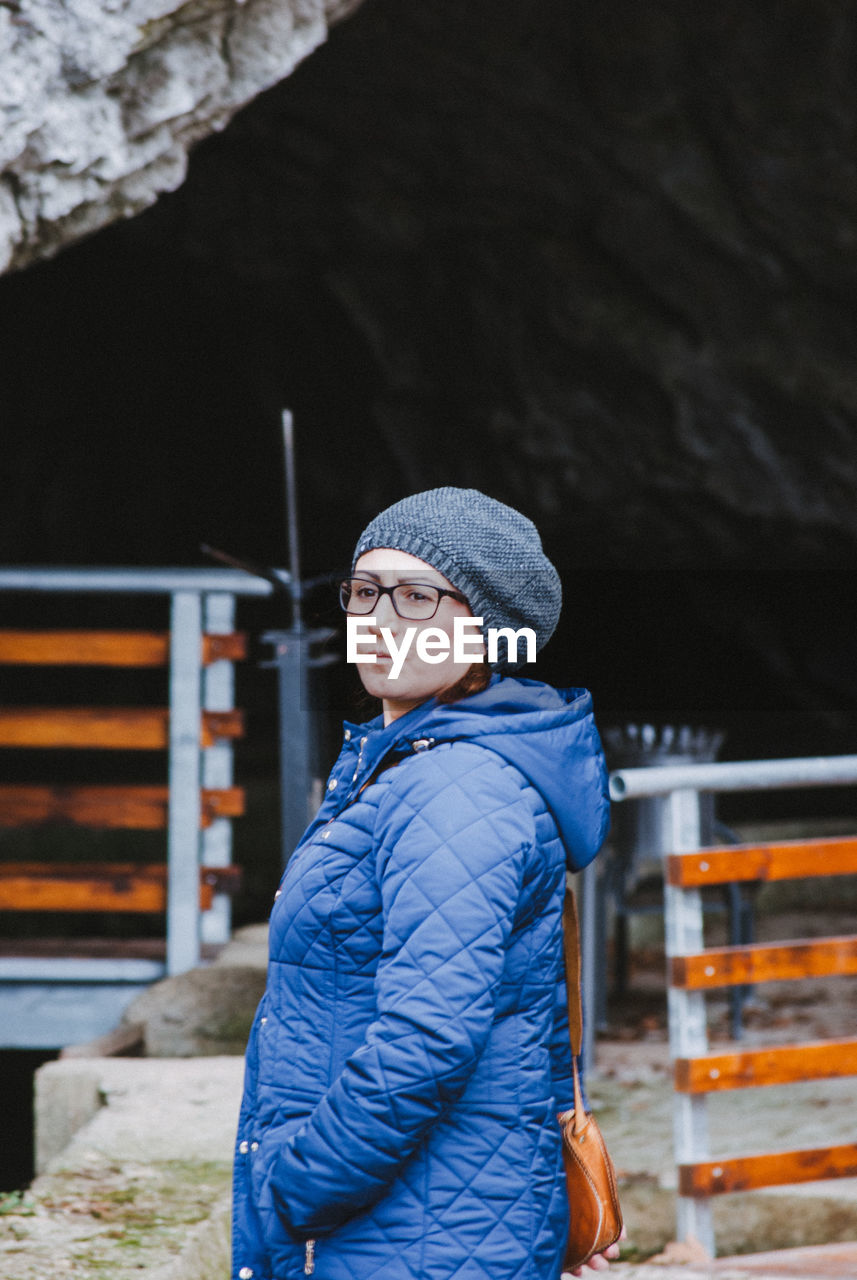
(384, 612)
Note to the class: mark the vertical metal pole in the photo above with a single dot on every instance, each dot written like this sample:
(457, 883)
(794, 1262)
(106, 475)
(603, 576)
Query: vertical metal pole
(184, 780)
(292, 656)
(292, 518)
(589, 952)
(599, 960)
(218, 694)
(291, 652)
(686, 1010)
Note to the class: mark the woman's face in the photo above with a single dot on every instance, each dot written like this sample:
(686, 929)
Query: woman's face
(417, 680)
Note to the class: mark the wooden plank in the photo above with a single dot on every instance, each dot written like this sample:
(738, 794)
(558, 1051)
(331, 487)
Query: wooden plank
(222, 802)
(777, 1169)
(100, 886)
(85, 648)
(110, 728)
(765, 962)
(128, 808)
(222, 879)
(32, 886)
(124, 728)
(788, 860)
(229, 646)
(132, 808)
(783, 1064)
(221, 724)
(53, 948)
(89, 948)
(109, 648)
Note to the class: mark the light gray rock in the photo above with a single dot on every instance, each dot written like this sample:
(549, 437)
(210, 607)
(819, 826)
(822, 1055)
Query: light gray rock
(247, 948)
(100, 100)
(200, 1013)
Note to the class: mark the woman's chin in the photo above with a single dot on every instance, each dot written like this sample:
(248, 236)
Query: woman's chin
(379, 682)
(377, 679)
(396, 693)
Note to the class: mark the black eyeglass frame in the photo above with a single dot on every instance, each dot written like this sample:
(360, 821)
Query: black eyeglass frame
(388, 591)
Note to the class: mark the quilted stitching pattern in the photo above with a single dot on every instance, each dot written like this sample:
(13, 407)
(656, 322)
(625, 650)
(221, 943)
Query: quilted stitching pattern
(406, 1063)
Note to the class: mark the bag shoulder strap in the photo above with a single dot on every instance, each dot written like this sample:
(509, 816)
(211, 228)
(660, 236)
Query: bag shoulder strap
(571, 949)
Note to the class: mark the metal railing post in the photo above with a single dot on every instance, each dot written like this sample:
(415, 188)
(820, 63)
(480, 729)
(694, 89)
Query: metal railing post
(291, 657)
(218, 694)
(591, 948)
(183, 825)
(687, 1023)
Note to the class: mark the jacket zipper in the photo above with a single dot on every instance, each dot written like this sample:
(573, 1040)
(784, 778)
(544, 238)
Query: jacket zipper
(309, 1247)
(296, 855)
(363, 742)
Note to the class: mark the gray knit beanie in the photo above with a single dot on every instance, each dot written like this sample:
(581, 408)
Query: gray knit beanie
(489, 552)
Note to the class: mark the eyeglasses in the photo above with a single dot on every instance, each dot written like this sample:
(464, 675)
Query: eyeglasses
(415, 601)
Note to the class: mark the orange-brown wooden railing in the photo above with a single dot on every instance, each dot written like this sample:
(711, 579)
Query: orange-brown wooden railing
(105, 887)
(708, 968)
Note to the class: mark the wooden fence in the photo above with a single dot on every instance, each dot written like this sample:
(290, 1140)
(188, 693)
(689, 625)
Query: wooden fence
(194, 730)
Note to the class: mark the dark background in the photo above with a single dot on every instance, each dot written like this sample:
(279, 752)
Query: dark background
(597, 261)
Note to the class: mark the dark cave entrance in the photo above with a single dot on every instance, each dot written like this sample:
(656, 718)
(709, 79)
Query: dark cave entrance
(432, 295)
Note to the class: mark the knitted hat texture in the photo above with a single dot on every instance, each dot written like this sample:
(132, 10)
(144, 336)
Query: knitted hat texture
(489, 552)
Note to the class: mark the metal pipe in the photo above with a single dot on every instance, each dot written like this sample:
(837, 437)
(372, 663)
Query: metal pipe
(183, 817)
(292, 517)
(688, 1031)
(743, 775)
(589, 984)
(218, 694)
(154, 581)
(291, 656)
(62, 969)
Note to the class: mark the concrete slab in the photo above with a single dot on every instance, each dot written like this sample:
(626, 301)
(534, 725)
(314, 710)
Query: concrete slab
(827, 1262)
(824, 1262)
(140, 1109)
(142, 1186)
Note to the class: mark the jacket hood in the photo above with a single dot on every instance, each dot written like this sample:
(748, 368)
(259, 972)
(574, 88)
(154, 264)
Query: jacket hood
(547, 734)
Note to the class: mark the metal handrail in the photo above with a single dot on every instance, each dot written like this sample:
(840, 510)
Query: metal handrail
(743, 775)
(148, 581)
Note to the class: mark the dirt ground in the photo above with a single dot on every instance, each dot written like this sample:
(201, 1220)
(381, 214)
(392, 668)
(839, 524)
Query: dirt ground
(813, 1009)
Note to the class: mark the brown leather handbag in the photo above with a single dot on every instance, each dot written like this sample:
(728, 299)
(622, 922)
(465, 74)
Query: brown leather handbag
(595, 1218)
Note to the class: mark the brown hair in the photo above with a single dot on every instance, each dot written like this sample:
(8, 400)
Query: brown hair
(476, 678)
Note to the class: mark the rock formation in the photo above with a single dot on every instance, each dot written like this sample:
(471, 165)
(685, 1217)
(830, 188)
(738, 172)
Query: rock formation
(603, 253)
(101, 99)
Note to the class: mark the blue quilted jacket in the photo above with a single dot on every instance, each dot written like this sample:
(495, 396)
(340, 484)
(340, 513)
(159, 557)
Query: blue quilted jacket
(410, 1053)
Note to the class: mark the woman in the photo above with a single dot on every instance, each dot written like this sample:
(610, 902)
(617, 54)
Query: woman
(410, 1054)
